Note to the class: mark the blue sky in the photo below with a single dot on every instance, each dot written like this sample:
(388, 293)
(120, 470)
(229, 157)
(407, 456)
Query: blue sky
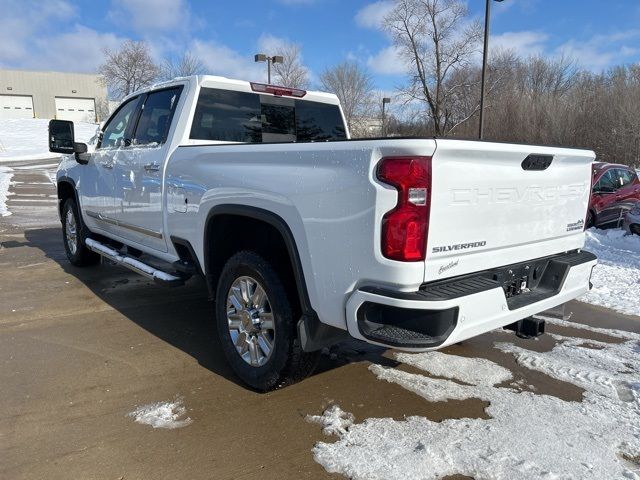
(68, 35)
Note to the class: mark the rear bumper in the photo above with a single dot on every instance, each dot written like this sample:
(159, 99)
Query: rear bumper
(447, 312)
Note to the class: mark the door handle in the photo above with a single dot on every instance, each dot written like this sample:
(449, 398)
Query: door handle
(108, 165)
(152, 167)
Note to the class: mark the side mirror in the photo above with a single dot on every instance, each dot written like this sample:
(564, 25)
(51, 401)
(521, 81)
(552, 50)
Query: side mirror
(62, 140)
(61, 136)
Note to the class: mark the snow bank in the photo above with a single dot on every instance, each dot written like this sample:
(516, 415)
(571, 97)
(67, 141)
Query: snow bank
(528, 436)
(5, 181)
(162, 414)
(26, 138)
(616, 278)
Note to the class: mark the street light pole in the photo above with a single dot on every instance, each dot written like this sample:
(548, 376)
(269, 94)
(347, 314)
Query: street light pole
(261, 57)
(385, 100)
(485, 52)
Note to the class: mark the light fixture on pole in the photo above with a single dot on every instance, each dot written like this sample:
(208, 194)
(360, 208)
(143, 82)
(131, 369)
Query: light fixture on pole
(385, 100)
(261, 57)
(485, 51)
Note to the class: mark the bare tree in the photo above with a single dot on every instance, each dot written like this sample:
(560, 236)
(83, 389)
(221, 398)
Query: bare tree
(291, 72)
(436, 41)
(354, 87)
(184, 66)
(128, 69)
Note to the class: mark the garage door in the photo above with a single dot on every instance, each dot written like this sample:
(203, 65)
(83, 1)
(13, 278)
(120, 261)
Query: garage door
(76, 109)
(16, 106)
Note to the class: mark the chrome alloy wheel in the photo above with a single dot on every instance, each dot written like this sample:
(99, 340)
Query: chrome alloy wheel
(71, 232)
(251, 322)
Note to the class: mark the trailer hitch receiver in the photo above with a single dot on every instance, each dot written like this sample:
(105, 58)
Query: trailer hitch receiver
(529, 327)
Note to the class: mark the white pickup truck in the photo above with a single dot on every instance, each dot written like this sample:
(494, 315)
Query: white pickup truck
(305, 236)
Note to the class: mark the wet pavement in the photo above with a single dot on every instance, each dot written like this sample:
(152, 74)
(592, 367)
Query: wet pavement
(82, 348)
(33, 199)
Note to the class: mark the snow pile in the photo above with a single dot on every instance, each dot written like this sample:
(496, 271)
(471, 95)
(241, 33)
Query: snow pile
(162, 414)
(5, 181)
(528, 436)
(27, 138)
(334, 420)
(616, 278)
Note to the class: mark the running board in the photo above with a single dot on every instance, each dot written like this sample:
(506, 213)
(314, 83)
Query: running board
(158, 276)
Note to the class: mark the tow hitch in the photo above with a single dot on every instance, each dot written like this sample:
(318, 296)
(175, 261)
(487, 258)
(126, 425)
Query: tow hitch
(529, 327)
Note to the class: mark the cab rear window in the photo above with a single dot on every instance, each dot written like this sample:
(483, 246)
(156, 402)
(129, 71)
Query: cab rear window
(230, 116)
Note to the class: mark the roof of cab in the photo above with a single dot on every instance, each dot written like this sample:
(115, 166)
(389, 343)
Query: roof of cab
(602, 165)
(214, 81)
(244, 85)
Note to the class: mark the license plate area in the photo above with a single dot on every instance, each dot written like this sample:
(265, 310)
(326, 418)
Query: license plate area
(521, 278)
(530, 282)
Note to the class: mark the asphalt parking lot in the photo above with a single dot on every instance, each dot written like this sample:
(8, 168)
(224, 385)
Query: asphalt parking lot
(82, 348)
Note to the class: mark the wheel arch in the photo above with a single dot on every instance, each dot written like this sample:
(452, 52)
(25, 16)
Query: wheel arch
(66, 188)
(254, 215)
(591, 210)
(312, 333)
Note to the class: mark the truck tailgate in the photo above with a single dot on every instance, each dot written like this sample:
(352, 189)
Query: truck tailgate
(495, 204)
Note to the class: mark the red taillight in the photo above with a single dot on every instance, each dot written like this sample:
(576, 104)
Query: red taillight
(405, 228)
(278, 91)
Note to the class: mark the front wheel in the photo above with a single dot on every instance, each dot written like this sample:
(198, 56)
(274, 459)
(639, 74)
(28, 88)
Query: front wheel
(590, 219)
(77, 253)
(256, 324)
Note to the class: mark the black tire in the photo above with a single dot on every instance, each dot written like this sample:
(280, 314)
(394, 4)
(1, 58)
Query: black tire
(80, 256)
(590, 220)
(287, 362)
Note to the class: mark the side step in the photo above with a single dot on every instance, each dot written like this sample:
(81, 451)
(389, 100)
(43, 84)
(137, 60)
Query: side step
(158, 276)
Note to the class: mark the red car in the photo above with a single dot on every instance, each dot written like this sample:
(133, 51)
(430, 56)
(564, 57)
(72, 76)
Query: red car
(616, 189)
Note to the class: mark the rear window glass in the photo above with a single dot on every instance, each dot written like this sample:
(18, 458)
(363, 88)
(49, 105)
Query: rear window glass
(249, 117)
(317, 121)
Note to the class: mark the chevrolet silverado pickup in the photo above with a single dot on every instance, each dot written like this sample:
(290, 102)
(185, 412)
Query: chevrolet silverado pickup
(306, 237)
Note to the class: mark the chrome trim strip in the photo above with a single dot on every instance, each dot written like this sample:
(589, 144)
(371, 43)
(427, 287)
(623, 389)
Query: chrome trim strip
(117, 223)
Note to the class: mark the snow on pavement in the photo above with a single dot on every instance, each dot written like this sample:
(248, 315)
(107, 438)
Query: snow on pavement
(528, 436)
(616, 278)
(5, 181)
(27, 138)
(162, 414)
(334, 420)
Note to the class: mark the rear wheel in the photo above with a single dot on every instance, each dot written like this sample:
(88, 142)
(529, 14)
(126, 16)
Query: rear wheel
(256, 324)
(73, 237)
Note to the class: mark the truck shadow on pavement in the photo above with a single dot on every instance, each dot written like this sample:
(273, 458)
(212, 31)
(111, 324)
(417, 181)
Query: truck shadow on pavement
(180, 316)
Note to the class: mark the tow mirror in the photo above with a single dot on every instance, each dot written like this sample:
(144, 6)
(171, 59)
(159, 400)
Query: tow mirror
(61, 137)
(62, 140)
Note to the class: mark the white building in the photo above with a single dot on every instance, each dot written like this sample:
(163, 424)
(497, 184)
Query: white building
(65, 96)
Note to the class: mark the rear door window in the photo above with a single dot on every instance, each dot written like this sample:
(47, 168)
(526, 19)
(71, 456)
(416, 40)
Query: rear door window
(249, 117)
(155, 120)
